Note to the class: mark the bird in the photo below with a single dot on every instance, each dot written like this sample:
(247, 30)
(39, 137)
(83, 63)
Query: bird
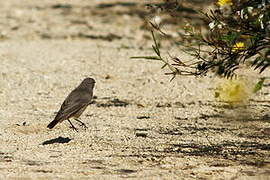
(75, 104)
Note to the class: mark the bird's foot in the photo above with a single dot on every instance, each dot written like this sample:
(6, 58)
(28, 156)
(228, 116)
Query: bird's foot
(82, 124)
(73, 127)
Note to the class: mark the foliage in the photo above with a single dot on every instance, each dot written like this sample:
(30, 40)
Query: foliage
(237, 34)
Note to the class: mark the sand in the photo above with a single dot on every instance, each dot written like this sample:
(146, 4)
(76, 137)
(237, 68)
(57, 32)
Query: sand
(140, 125)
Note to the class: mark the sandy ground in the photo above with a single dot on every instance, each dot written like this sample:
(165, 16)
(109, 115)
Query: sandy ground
(140, 125)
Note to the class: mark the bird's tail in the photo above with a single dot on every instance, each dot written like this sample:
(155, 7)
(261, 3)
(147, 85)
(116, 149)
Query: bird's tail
(52, 124)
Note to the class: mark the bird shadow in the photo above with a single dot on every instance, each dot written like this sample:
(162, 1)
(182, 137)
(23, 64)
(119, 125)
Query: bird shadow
(60, 139)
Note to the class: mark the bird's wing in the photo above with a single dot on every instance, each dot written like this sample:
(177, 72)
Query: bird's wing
(73, 103)
(70, 110)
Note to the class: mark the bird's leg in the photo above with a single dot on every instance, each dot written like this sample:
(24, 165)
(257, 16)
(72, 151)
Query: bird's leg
(82, 124)
(72, 127)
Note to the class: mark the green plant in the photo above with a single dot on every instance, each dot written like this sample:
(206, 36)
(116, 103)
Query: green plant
(238, 34)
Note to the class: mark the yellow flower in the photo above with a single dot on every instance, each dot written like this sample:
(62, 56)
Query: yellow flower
(238, 46)
(224, 2)
(234, 91)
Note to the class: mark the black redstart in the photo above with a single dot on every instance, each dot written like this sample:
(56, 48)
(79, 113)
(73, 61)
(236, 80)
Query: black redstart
(75, 104)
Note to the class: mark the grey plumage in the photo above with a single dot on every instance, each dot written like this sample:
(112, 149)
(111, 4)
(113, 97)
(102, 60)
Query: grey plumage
(75, 103)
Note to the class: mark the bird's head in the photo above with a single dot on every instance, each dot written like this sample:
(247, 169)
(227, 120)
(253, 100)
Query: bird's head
(88, 82)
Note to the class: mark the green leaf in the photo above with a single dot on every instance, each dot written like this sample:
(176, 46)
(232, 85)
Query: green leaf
(258, 85)
(146, 57)
(260, 64)
(256, 61)
(155, 47)
(264, 67)
(164, 65)
(230, 38)
(156, 50)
